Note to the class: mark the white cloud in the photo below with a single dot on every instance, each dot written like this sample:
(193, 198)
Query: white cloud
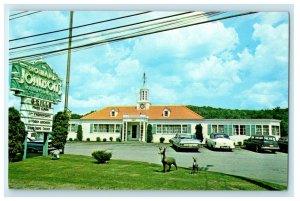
(271, 54)
(272, 18)
(84, 105)
(160, 94)
(265, 94)
(128, 67)
(212, 76)
(94, 86)
(199, 40)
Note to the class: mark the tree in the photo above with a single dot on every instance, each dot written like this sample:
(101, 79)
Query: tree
(79, 133)
(60, 130)
(149, 133)
(199, 134)
(17, 133)
(75, 116)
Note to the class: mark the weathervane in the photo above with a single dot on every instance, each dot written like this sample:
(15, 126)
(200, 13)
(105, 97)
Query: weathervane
(144, 79)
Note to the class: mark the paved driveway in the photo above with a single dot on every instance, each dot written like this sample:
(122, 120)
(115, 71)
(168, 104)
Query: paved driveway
(265, 166)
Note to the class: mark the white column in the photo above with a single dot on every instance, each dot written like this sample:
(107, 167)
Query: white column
(140, 133)
(144, 131)
(123, 128)
(126, 131)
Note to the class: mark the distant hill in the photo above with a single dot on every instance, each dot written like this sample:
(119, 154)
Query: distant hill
(220, 113)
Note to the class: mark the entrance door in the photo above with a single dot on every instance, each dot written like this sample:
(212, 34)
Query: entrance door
(134, 131)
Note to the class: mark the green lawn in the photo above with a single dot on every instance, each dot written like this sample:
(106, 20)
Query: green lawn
(82, 172)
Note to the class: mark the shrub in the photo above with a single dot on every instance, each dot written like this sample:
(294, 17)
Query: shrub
(88, 139)
(17, 134)
(76, 139)
(79, 133)
(98, 139)
(111, 139)
(102, 156)
(240, 143)
(70, 139)
(161, 140)
(149, 133)
(199, 133)
(118, 139)
(104, 139)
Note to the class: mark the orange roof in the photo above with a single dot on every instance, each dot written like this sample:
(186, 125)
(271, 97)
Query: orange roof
(154, 112)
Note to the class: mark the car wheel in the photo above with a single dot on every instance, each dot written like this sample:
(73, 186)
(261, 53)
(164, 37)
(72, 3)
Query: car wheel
(257, 149)
(273, 151)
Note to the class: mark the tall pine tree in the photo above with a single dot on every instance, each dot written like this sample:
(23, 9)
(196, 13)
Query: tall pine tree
(60, 130)
(79, 133)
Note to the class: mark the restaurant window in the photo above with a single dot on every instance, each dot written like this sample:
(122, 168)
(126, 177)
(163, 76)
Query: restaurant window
(214, 128)
(275, 130)
(258, 130)
(242, 130)
(111, 128)
(184, 128)
(158, 129)
(220, 128)
(265, 130)
(236, 129)
(118, 128)
(72, 128)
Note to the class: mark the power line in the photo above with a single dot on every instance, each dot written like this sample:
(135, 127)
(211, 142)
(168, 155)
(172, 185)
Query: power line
(127, 37)
(102, 30)
(115, 39)
(25, 15)
(110, 33)
(18, 13)
(80, 26)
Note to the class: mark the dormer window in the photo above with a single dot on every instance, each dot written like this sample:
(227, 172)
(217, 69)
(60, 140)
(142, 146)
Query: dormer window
(166, 112)
(113, 113)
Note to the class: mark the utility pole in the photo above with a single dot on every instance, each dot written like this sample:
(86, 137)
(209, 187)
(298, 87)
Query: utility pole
(68, 63)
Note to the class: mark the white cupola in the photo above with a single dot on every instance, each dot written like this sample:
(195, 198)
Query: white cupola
(143, 99)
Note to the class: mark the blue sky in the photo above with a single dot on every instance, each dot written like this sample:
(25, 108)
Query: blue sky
(238, 63)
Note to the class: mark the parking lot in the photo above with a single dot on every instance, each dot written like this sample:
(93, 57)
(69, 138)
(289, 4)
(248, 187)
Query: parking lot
(265, 166)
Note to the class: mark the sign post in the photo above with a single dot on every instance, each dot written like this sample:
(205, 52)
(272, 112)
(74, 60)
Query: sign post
(39, 88)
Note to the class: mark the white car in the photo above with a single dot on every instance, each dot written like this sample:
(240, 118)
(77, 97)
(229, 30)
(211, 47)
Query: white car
(185, 141)
(220, 141)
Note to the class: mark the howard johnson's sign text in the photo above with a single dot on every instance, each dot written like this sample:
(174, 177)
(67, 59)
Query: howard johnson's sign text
(36, 80)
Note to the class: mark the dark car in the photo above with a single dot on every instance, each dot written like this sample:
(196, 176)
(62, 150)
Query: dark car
(283, 143)
(37, 145)
(261, 143)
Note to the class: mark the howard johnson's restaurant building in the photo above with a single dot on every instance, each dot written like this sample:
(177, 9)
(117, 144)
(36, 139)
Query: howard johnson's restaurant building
(129, 123)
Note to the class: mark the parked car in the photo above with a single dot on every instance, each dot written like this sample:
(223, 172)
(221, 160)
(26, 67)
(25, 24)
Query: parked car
(261, 143)
(220, 141)
(37, 145)
(185, 141)
(283, 144)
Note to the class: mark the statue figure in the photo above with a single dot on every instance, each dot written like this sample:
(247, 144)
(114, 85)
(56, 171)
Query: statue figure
(195, 166)
(166, 161)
